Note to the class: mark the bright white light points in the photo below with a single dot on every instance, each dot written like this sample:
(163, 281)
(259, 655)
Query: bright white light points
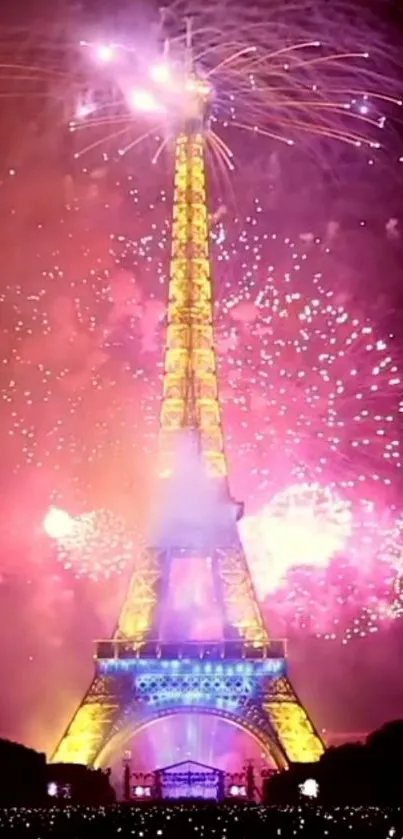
(198, 86)
(105, 53)
(58, 523)
(310, 788)
(84, 110)
(161, 73)
(145, 101)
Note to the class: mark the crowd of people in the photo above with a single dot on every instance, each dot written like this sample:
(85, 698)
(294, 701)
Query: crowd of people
(168, 821)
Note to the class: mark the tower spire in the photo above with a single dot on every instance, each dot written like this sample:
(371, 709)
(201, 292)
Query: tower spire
(189, 45)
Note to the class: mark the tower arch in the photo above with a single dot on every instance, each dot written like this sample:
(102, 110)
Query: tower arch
(130, 727)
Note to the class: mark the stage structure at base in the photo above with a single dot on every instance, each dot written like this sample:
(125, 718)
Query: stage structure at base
(191, 779)
(187, 779)
(153, 667)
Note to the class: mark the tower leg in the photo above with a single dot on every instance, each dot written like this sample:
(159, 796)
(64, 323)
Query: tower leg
(236, 595)
(92, 723)
(129, 693)
(289, 720)
(139, 616)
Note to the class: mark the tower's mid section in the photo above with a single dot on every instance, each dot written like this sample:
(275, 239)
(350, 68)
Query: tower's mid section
(156, 665)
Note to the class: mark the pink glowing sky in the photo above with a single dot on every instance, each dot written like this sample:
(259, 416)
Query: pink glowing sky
(71, 422)
(306, 313)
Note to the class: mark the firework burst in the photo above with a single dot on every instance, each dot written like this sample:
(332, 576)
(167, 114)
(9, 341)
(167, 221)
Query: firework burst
(324, 565)
(320, 387)
(94, 545)
(309, 385)
(285, 74)
(322, 384)
(304, 525)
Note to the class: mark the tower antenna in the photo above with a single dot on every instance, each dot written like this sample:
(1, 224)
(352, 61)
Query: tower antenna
(189, 45)
(163, 13)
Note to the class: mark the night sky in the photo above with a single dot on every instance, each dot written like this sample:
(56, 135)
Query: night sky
(307, 252)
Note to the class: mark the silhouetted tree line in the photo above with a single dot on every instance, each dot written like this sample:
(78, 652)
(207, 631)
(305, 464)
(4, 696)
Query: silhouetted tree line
(350, 774)
(22, 775)
(26, 780)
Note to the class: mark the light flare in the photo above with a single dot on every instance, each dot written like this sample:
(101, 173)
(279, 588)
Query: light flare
(58, 524)
(145, 101)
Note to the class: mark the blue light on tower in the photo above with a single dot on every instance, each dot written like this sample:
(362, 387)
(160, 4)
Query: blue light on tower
(223, 685)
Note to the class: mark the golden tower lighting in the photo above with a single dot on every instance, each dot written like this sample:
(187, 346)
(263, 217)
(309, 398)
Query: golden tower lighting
(147, 671)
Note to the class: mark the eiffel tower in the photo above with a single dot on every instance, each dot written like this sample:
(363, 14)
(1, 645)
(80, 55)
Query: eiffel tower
(155, 666)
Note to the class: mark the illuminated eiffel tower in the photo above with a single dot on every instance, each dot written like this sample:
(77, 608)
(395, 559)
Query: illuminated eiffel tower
(153, 666)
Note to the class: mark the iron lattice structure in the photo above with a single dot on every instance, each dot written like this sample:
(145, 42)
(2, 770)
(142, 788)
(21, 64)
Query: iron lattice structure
(146, 672)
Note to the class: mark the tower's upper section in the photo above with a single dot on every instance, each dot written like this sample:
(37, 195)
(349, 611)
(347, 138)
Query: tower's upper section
(192, 93)
(190, 404)
(194, 107)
